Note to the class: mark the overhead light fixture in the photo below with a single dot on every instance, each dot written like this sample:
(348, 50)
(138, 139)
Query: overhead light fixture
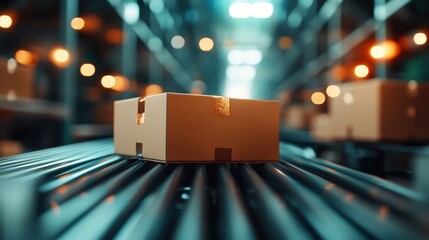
(253, 57)
(251, 10)
(262, 10)
(241, 72)
(131, 12)
(250, 57)
(239, 81)
(240, 10)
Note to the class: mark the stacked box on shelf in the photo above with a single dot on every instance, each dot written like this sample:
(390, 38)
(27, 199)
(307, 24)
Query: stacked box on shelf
(299, 116)
(380, 110)
(16, 80)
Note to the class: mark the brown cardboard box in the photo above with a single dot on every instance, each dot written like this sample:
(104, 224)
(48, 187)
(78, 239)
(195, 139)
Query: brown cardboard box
(321, 127)
(299, 116)
(15, 80)
(381, 110)
(10, 147)
(173, 127)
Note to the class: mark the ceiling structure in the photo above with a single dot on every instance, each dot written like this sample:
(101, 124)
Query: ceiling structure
(260, 46)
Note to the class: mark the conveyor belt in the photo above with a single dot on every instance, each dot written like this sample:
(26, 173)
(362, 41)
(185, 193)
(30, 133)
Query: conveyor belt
(85, 191)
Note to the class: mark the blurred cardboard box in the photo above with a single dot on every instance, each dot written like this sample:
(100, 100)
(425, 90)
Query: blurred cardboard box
(15, 80)
(10, 147)
(299, 116)
(381, 110)
(321, 127)
(173, 127)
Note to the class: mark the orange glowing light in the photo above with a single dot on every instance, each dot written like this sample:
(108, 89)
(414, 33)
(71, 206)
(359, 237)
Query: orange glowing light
(377, 52)
(87, 69)
(110, 198)
(5, 21)
(206, 44)
(318, 98)
(385, 50)
(339, 72)
(333, 91)
(285, 42)
(153, 89)
(25, 58)
(114, 36)
(92, 23)
(121, 84)
(420, 38)
(77, 23)
(60, 57)
(361, 71)
(108, 81)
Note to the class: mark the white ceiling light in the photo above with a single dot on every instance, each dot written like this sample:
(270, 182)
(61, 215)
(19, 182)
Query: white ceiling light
(262, 10)
(254, 10)
(240, 10)
(131, 12)
(241, 72)
(251, 57)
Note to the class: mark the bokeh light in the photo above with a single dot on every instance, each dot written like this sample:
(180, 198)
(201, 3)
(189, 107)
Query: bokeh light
(385, 50)
(318, 98)
(77, 23)
(420, 38)
(177, 42)
(26, 58)
(5, 21)
(377, 52)
(206, 44)
(114, 36)
(361, 71)
(108, 81)
(87, 69)
(333, 91)
(153, 89)
(60, 57)
(339, 72)
(121, 83)
(285, 42)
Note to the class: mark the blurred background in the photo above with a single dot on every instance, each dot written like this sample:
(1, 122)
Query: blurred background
(63, 63)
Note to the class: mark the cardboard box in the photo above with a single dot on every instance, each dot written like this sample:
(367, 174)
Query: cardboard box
(299, 116)
(172, 127)
(321, 127)
(381, 110)
(10, 147)
(15, 80)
